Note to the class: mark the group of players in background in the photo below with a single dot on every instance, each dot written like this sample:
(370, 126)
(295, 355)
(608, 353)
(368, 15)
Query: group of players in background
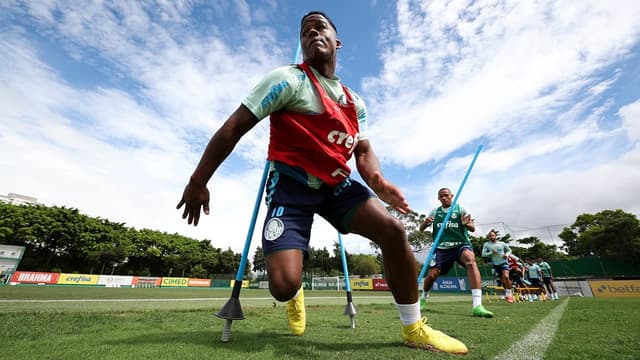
(532, 279)
(454, 245)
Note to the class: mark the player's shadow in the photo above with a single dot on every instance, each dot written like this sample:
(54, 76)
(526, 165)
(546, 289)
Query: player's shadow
(283, 344)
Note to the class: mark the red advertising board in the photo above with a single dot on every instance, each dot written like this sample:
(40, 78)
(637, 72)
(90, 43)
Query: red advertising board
(146, 281)
(380, 285)
(199, 282)
(30, 277)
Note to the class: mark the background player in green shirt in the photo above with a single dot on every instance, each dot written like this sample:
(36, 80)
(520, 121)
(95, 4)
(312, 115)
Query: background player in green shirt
(534, 273)
(454, 246)
(499, 253)
(547, 278)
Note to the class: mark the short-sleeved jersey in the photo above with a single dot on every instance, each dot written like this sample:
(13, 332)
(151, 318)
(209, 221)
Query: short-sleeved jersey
(534, 272)
(501, 248)
(545, 268)
(454, 234)
(289, 88)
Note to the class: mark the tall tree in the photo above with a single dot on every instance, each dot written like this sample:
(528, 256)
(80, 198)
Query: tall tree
(259, 261)
(612, 233)
(365, 265)
(419, 240)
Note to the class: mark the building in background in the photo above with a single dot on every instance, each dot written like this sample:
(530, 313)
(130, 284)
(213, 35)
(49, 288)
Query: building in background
(17, 199)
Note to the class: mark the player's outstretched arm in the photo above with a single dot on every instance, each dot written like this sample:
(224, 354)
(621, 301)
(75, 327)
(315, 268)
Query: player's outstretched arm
(369, 168)
(196, 195)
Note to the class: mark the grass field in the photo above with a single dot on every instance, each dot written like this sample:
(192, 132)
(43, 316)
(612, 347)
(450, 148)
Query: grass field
(110, 323)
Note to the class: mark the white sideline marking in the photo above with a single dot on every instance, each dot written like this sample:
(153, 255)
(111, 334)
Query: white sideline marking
(533, 345)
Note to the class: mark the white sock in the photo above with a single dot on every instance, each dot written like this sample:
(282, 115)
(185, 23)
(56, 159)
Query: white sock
(425, 294)
(507, 292)
(476, 297)
(409, 313)
(297, 293)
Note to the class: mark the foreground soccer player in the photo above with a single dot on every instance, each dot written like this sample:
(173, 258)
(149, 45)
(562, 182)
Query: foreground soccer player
(316, 125)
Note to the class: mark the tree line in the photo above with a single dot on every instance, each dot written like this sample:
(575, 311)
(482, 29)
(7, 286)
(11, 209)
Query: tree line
(61, 239)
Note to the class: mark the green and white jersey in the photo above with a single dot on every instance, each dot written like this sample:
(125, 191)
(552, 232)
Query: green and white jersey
(454, 234)
(289, 88)
(545, 268)
(497, 257)
(535, 272)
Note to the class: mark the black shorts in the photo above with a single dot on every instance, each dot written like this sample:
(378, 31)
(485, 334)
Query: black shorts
(292, 204)
(546, 280)
(498, 269)
(536, 283)
(443, 259)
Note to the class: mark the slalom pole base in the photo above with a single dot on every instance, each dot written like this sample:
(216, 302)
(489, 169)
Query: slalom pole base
(232, 310)
(352, 312)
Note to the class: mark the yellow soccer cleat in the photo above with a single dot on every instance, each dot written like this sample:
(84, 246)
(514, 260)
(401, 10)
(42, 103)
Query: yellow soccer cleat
(420, 335)
(296, 314)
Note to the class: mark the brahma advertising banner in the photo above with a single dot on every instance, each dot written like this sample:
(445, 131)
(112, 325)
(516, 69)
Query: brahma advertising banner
(32, 277)
(380, 285)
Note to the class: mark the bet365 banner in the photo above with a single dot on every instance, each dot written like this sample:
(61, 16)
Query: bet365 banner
(615, 288)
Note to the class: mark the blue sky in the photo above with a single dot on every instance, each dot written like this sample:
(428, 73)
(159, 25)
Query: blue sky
(106, 106)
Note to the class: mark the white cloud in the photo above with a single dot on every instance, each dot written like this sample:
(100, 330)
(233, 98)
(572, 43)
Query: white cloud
(630, 115)
(457, 73)
(126, 156)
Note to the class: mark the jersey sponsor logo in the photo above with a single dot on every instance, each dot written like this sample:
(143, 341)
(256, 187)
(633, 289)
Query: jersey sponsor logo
(450, 224)
(341, 138)
(340, 171)
(273, 229)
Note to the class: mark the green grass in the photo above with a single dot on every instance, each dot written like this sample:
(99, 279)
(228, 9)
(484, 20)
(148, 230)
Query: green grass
(179, 324)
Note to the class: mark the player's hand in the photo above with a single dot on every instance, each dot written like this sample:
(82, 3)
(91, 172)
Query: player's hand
(466, 219)
(428, 221)
(389, 193)
(194, 197)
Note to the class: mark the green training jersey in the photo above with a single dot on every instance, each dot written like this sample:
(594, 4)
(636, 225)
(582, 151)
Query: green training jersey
(289, 88)
(454, 234)
(497, 257)
(545, 269)
(535, 272)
